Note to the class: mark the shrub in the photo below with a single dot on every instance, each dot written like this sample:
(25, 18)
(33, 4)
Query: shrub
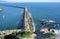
(51, 35)
(1, 37)
(24, 34)
(19, 35)
(10, 36)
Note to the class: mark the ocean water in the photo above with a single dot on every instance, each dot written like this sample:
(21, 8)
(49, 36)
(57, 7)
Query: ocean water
(39, 11)
(11, 18)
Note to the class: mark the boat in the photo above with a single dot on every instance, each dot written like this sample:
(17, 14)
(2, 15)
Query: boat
(1, 9)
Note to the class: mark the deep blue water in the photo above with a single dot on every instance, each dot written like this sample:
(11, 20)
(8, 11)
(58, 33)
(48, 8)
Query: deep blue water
(39, 11)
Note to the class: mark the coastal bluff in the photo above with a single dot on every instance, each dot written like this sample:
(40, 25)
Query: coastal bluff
(28, 23)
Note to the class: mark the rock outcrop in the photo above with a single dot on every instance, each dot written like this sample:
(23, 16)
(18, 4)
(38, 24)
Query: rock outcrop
(28, 21)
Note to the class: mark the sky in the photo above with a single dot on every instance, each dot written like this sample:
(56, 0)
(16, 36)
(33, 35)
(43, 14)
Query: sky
(29, 0)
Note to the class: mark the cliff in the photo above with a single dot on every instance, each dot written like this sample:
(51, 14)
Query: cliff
(28, 21)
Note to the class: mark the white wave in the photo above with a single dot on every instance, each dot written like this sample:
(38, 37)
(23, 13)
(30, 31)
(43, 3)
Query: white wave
(32, 21)
(3, 16)
(57, 32)
(48, 20)
(51, 21)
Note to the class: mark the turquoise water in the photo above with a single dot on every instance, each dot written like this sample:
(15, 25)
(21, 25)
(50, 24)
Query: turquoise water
(39, 11)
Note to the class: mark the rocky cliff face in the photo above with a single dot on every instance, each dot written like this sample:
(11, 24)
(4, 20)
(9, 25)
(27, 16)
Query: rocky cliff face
(28, 21)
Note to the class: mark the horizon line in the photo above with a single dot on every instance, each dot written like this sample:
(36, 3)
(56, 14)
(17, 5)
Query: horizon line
(29, 2)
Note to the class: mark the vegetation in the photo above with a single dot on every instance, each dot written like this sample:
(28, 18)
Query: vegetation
(24, 34)
(19, 35)
(10, 36)
(1, 37)
(51, 34)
